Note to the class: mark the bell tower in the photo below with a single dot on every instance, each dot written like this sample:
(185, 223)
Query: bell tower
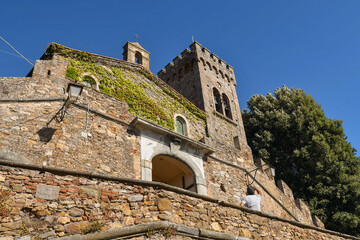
(134, 52)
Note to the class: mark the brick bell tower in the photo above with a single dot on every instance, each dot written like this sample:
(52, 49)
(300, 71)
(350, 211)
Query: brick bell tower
(209, 83)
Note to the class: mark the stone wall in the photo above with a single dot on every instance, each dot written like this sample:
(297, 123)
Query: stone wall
(32, 128)
(43, 204)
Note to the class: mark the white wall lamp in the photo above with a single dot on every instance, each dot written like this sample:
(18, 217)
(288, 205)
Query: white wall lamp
(74, 91)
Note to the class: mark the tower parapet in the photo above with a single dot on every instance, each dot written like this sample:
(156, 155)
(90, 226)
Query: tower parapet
(202, 55)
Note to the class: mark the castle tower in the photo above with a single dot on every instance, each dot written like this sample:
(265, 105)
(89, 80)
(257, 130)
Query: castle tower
(134, 52)
(209, 83)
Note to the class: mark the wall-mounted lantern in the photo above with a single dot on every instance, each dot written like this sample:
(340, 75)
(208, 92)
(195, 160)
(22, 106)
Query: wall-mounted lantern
(74, 90)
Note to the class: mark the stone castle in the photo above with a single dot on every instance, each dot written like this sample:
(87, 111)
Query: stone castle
(93, 147)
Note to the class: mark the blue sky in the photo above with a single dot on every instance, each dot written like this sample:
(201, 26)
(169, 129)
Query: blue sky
(309, 44)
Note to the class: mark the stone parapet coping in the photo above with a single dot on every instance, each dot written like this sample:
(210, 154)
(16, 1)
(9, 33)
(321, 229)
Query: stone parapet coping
(61, 171)
(265, 189)
(152, 228)
(140, 123)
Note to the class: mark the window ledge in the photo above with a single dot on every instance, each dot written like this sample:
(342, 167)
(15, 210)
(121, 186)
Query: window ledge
(225, 118)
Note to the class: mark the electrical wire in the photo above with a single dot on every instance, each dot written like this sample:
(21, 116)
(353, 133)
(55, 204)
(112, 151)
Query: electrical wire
(16, 51)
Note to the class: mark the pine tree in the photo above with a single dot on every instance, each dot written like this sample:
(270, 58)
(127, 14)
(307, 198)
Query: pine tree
(310, 153)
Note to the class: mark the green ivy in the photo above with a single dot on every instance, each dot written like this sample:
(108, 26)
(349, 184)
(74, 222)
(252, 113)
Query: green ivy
(67, 52)
(72, 73)
(132, 85)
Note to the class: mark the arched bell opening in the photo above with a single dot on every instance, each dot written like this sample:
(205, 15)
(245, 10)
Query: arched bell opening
(173, 172)
(138, 58)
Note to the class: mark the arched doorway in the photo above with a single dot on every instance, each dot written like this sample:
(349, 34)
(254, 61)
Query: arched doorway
(173, 172)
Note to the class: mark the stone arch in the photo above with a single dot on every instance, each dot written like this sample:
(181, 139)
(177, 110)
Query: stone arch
(173, 151)
(138, 57)
(88, 79)
(174, 172)
(12, 156)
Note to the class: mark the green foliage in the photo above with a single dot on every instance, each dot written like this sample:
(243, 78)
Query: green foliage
(72, 73)
(67, 52)
(310, 153)
(130, 86)
(89, 80)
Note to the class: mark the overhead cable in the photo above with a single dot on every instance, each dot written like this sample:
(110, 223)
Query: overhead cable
(16, 51)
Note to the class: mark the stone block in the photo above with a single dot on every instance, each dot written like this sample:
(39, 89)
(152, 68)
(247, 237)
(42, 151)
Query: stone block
(164, 204)
(47, 192)
(76, 228)
(76, 212)
(136, 198)
(90, 191)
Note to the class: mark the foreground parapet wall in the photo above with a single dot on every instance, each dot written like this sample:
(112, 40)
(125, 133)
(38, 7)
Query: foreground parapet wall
(44, 204)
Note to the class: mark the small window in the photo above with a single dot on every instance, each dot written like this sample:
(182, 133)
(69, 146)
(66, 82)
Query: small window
(237, 142)
(217, 100)
(180, 125)
(49, 73)
(227, 107)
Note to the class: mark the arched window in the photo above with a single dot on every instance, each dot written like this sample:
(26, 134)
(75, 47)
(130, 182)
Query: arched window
(89, 81)
(138, 58)
(217, 100)
(173, 172)
(227, 107)
(180, 125)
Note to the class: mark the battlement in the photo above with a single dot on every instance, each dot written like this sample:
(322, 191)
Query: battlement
(202, 55)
